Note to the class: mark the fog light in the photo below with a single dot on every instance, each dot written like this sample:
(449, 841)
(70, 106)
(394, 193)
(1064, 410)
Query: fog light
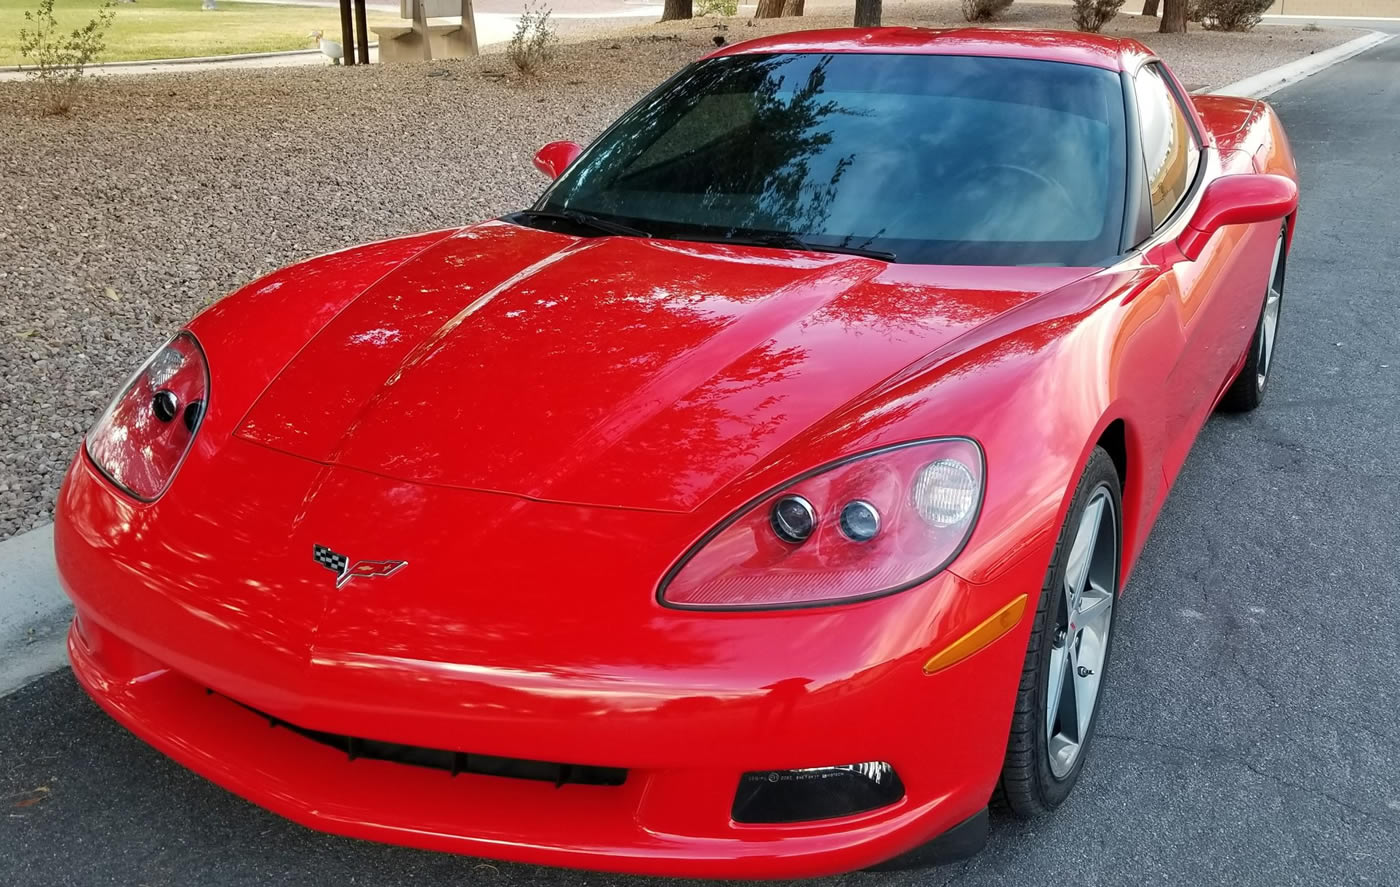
(768, 796)
(945, 493)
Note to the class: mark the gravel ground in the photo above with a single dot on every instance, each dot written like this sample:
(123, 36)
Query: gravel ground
(166, 191)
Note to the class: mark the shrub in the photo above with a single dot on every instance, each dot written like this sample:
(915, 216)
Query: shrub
(1228, 15)
(59, 60)
(983, 10)
(1092, 15)
(716, 7)
(532, 46)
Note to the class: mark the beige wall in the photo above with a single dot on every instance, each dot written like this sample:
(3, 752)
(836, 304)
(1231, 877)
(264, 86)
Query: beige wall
(1364, 8)
(1378, 8)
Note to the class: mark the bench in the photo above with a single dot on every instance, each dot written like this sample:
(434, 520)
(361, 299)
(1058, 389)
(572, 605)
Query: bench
(447, 38)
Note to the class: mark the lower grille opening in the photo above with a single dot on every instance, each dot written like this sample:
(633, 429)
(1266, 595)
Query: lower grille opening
(453, 762)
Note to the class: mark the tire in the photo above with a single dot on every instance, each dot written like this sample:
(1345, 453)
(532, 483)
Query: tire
(1041, 768)
(1247, 391)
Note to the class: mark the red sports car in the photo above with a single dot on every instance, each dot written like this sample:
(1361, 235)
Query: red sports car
(755, 504)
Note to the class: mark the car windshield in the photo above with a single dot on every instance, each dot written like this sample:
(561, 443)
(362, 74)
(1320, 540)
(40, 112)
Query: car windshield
(931, 159)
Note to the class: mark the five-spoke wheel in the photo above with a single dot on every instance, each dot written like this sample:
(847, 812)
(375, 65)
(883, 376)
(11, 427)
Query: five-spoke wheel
(1268, 324)
(1083, 620)
(1071, 638)
(1247, 391)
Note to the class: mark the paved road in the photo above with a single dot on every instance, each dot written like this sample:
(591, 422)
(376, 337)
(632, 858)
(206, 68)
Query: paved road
(1252, 732)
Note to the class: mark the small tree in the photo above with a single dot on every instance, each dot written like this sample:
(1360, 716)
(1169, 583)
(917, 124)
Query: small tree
(716, 7)
(983, 10)
(1092, 15)
(1173, 17)
(58, 60)
(867, 13)
(1150, 8)
(1228, 15)
(676, 9)
(531, 47)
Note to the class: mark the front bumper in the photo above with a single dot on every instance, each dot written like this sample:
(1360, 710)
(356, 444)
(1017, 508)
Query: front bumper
(149, 656)
(592, 827)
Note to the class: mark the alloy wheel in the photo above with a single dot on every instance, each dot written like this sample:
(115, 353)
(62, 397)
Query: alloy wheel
(1080, 643)
(1268, 328)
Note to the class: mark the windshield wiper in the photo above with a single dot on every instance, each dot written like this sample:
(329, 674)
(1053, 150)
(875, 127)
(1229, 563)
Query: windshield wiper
(581, 219)
(792, 241)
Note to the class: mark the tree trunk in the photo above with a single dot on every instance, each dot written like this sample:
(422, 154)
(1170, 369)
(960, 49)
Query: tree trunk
(1150, 8)
(347, 34)
(793, 7)
(361, 34)
(768, 9)
(1173, 17)
(675, 9)
(867, 13)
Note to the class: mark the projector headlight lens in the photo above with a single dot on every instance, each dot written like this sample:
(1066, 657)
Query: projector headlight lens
(859, 521)
(793, 519)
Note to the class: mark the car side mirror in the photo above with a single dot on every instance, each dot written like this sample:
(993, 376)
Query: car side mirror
(555, 157)
(1237, 200)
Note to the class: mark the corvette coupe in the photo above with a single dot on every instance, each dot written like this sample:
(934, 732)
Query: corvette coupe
(756, 503)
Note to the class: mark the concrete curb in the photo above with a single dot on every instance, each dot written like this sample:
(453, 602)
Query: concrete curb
(34, 612)
(1274, 79)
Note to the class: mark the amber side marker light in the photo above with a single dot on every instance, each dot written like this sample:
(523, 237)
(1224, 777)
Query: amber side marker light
(996, 625)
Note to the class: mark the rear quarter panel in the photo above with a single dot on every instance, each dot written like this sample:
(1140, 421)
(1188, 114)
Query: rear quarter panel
(1249, 127)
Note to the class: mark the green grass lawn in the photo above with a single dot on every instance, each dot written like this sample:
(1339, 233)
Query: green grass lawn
(151, 29)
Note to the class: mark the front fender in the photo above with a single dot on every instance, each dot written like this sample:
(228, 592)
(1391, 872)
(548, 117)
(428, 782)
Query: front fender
(1037, 387)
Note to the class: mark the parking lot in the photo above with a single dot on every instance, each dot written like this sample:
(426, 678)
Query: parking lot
(1251, 734)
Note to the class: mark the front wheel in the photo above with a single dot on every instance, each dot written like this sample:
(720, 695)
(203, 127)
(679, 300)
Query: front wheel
(1057, 702)
(1247, 391)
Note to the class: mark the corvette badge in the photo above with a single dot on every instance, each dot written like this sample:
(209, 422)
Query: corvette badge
(339, 564)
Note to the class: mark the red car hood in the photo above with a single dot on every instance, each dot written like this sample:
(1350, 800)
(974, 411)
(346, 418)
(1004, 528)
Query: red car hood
(609, 371)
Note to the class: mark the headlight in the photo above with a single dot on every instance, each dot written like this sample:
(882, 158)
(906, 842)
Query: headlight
(144, 435)
(871, 524)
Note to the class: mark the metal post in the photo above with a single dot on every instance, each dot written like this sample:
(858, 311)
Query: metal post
(347, 35)
(364, 31)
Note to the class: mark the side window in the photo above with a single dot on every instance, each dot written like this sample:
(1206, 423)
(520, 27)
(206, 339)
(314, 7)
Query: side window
(1170, 152)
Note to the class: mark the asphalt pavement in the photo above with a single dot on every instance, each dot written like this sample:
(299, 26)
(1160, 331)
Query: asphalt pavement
(1251, 731)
